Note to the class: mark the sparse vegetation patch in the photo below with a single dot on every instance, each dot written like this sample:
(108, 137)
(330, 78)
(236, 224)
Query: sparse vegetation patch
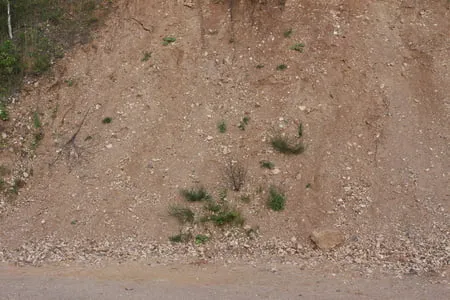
(288, 33)
(182, 214)
(168, 40)
(195, 194)
(265, 164)
(201, 239)
(283, 145)
(222, 126)
(298, 47)
(277, 199)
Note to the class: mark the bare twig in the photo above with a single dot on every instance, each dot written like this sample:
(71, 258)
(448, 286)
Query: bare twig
(142, 25)
(235, 173)
(70, 144)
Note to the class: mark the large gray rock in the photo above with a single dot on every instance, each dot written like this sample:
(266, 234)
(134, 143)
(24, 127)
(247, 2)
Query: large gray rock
(327, 239)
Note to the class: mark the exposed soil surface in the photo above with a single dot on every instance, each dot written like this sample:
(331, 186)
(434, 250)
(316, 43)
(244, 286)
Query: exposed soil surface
(369, 85)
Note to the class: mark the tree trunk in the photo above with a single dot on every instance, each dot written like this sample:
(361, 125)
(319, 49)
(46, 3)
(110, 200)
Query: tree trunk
(9, 20)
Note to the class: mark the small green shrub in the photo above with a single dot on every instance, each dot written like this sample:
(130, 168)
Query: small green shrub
(69, 82)
(281, 67)
(222, 126)
(42, 63)
(36, 120)
(260, 66)
(298, 47)
(195, 194)
(212, 206)
(283, 145)
(168, 40)
(227, 216)
(277, 199)
(4, 115)
(107, 120)
(182, 214)
(9, 59)
(244, 123)
(147, 56)
(37, 138)
(288, 33)
(267, 164)
(201, 239)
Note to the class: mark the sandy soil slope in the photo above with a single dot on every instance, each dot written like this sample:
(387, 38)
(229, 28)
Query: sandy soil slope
(370, 88)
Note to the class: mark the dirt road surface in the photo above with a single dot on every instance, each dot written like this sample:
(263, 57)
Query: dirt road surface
(205, 282)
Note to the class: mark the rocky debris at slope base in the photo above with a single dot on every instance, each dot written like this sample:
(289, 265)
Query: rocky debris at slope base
(367, 255)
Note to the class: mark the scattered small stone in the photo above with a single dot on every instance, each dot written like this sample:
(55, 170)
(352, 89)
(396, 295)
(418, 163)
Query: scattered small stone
(276, 171)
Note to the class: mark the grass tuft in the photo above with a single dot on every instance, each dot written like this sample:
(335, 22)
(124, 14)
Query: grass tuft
(222, 126)
(195, 194)
(277, 199)
(168, 40)
(281, 67)
(201, 239)
(244, 123)
(107, 120)
(147, 56)
(36, 120)
(298, 47)
(283, 145)
(288, 33)
(182, 214)
(4, 115)
(265, 164)
(227, 216)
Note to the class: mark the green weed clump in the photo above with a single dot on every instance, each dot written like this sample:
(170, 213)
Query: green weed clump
(288, 33)
(265, 164)
(276, 200)
(284, 145)
(281, 67)
(222, 126)
(182, 214)
(298, 47)
(4, 114)
(168, 40)
(227, 216)
(201, 239)
(195, 194)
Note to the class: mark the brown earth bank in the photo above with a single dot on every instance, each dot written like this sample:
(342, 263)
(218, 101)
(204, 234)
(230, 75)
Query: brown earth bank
(369, 85)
